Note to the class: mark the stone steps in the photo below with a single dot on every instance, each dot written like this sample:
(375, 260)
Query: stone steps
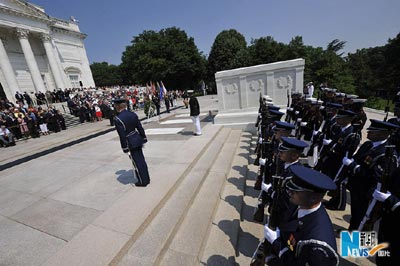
(229, 225)
(189, 240)
(110, 237)
(150, 247)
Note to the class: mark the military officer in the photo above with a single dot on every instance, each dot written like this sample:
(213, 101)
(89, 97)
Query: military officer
(127, 124)
(308, 238)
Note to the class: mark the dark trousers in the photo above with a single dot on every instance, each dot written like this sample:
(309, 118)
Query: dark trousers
(140, 164)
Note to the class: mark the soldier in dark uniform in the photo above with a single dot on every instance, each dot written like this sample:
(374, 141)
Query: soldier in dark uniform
(365, 169)
(266, 141)
(387, 228)
(281, 208)
(344, 142)
(308, 238)
(361, 118)
(127, 124)
(395, 137)
(271, 164)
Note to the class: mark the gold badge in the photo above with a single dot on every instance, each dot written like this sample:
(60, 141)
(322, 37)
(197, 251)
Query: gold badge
(368, 160)
(291, 242)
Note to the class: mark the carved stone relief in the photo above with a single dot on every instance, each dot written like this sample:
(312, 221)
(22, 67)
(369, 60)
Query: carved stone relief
(285, 83)
(256, 85)
(231, 88)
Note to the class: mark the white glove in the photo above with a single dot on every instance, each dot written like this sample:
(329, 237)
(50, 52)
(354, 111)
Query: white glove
(326, 141)
(316, 132)
(259, 140)
(296, 112)
(271, 235)
(298, 120)
(265, 187)
(321, 107)
(262, 161)
(380, 196)
(290, 109)
(346, 161)
(303, 124)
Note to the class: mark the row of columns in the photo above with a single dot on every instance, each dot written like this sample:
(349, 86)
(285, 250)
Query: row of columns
(33, 67)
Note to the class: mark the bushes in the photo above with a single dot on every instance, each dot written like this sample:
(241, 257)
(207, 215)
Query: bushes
(378, 103)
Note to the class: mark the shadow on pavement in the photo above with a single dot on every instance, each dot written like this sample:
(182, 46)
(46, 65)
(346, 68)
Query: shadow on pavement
(218, 260)
(126, 177)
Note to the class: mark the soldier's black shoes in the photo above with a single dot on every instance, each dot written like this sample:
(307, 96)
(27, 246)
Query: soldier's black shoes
(257, 162)
(140, 184)
(257, 184)
(258, 214)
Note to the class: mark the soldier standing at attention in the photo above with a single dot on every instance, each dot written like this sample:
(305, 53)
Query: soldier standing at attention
(129, 127)
(308, 237)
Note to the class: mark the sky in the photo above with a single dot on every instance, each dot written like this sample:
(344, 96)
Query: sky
(111, 25)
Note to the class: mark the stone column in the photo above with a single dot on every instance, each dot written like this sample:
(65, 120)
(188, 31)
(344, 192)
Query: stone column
(8, 72)
(52, 60)
(30, 59)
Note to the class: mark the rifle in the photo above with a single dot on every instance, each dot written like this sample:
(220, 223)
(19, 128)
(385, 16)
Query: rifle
(387, 108)
(287, 118)
(373, 212)
(264, 247)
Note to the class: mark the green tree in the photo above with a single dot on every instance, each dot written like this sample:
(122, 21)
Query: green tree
(168, 55)
(227, 52)
(266, 50)
(105, 74)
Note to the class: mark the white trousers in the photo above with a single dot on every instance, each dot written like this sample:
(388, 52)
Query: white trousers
(196, 122)
(43, 128)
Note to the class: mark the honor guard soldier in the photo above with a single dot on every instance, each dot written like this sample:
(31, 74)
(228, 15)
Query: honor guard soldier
(281, 208)
(395, 137)
(271, 165)
(366, 168)
(344, 143)
(387, 228)
(361, 117)
(266, 142)
(129, 129)
(308, 238)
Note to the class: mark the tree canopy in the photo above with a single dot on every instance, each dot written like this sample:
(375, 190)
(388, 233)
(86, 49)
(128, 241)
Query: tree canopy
(105, 74)
(168, 55)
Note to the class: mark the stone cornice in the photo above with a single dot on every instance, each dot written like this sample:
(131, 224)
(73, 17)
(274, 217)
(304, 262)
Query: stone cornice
(45, 37)
(74, 33)
(43, 18)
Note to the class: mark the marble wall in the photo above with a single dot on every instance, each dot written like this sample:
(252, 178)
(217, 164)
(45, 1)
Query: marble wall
(240, 88)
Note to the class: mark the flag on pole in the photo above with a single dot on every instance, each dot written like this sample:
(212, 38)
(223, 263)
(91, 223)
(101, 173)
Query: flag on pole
(160, 91)
(163, 88)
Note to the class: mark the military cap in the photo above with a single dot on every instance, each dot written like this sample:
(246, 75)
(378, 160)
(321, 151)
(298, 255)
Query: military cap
(119, 100)
(377, 125)
(273, 107)
(359, 101)
(281, 125)
(292, 144)
(351, 96)
(345, 113)
(307, 179)
(334, 105)
(275, 113)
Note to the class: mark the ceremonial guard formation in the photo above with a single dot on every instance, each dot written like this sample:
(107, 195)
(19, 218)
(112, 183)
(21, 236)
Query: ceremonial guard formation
(319, 149)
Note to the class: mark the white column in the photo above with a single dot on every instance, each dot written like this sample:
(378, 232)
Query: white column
(30, 59)
(8, 72)
(52, 61)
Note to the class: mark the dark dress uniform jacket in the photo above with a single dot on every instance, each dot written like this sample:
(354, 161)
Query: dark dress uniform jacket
(342, 142)
(363, 179)
(194, 106)
(309, 240)
(127, 123)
